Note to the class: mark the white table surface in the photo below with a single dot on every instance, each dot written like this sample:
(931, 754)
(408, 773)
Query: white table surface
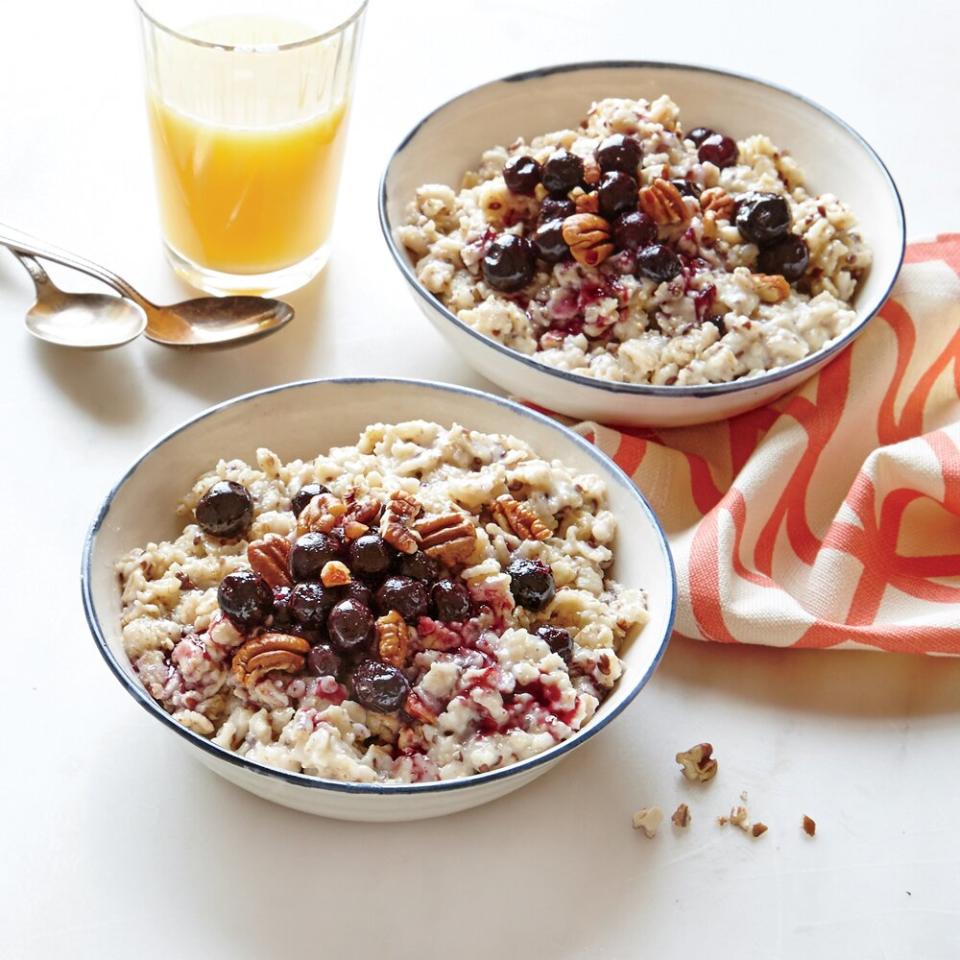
(114, 843)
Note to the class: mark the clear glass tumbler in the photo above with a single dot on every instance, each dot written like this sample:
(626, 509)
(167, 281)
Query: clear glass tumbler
(248, 117)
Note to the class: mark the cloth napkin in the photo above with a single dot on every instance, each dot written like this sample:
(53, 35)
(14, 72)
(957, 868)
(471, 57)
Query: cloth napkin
(830, 518)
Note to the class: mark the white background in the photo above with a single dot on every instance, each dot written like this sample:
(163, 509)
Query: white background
(114, 843)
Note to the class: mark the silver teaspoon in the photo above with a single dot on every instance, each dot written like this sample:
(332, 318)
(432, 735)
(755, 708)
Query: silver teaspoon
(200, 322)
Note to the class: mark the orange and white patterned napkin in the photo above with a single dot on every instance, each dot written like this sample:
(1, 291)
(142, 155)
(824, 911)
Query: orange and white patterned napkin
(830, 518)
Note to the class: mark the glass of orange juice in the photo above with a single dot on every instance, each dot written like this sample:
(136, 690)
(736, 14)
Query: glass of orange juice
(248, 116)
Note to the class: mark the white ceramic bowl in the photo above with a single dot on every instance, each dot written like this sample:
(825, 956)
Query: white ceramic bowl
(835, 158)
(301, 420)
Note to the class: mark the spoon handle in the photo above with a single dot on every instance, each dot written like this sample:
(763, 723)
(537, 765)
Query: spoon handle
(21, 242)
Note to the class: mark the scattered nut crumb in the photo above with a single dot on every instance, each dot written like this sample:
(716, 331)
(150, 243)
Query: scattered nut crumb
(758, 829)
(681, 816)
(809, 826)
(648, 819)
(739, 817)
(698, 763)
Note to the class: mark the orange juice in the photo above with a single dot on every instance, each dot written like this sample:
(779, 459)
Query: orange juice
(246, 200)
(248, 124)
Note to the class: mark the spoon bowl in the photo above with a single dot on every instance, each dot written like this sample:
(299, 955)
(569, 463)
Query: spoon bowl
(89, 321)
(213, 321)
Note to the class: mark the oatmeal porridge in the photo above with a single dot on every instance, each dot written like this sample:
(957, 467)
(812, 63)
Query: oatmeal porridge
(427, 604)
(632, 250)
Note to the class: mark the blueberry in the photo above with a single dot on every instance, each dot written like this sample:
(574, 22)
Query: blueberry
(562, 172)
(549, 243)
(619, 152)
(419, 566)
(509, 263)
(245, 597)
(633, 230)
(350, 625)
(304, 495)
(531, 583)
(309, 553)
(322, 661)
(360, 592)
(699, 134)
(556, 208)
(450, 601)
(790, 258)
(368, 554)
(282, 614)
(405, 595)
(618, 193)
(310, 603)
(379, 686)
(763, 218)
(719, 150)
(521, 174)
(225, 510)
(558, 639)
(687, 188)
(658, 262)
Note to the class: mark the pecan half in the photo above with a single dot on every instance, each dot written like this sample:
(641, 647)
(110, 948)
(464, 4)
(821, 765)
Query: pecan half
(401, 511)
(335, 574)
(393, 638)
(417, 709)
(662, 202)
(271, 559)
(520, 518)
(716, 200)
(588, 237)
(269, 651)
(771, 288)
(320, 515)
(450, 538)
(698, 762)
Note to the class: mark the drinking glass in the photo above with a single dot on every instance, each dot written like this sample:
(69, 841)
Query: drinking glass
(248, 119)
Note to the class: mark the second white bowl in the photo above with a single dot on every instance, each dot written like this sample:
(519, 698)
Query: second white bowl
(450, 140)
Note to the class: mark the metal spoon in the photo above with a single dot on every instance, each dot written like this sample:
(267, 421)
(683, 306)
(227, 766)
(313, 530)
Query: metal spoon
(88, 321)
(201, 322)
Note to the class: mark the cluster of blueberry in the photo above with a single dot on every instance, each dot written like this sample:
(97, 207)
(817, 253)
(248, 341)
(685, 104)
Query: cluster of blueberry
(340, 622)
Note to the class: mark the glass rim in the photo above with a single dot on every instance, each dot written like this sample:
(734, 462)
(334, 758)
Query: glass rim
(252, 47)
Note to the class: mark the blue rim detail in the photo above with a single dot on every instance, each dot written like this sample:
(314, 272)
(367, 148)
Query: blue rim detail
(701, 391)
(305, 780)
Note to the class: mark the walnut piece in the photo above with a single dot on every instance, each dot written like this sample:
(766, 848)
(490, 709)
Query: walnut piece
(393, 639)
(663, 203)
(269, 651)
(758, 829)
(587, 202)
(321, 514)
(681, 816)
(588, 237)
(271, 559)
(591, 171)
(335, 574)
(739, 817)
(450, 538)
(519, 518)
(771, 288)
(698, 763)
(353, 529)
(809, 826)
(648, 819)
(717, 201)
